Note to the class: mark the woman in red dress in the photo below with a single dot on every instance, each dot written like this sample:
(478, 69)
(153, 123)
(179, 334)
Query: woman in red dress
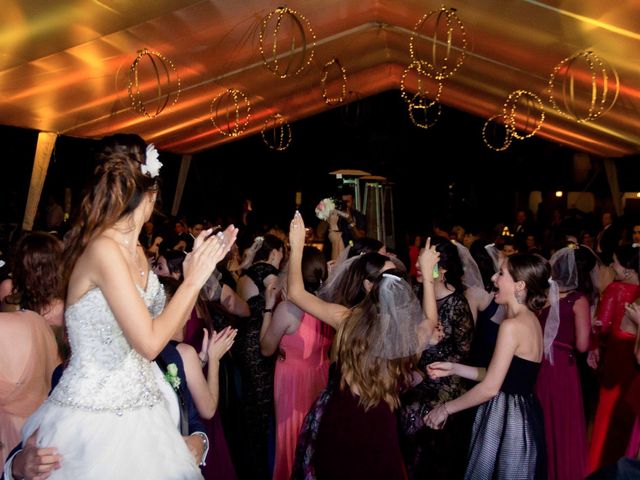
(614, 417)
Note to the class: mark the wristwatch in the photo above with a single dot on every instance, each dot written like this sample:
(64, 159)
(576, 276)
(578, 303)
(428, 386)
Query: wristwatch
(205, 439)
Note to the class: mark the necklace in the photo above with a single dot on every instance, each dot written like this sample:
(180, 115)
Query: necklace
(134, 256)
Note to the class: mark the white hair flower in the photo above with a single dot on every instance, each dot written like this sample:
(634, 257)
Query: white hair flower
(151, 166)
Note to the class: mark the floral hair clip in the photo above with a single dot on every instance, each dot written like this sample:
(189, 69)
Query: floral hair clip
(151, 166)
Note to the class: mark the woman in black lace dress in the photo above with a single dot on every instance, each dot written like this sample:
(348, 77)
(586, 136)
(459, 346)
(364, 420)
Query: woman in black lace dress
(429, 453)
(256, 371)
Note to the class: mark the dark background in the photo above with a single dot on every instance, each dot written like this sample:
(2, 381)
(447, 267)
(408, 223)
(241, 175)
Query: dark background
(442, 172)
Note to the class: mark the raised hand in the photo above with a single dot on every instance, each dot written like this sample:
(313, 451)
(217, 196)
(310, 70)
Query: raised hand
(428, 259)
(208, 250)
(297, 233)
(221, 342)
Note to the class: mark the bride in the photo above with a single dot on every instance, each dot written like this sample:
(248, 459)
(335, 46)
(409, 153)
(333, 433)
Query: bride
(106, 416)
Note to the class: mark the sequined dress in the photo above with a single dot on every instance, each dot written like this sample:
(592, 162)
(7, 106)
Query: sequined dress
(107, 417)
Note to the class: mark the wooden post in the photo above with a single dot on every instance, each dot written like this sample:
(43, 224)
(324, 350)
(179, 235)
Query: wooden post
(612, 177)
(185, 163)
(46, 142)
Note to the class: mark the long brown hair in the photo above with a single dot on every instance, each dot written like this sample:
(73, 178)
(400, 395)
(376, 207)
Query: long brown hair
(376, 379)
(117, 188)
(36, 271)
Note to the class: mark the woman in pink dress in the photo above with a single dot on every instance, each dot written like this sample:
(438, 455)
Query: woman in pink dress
(558, 385)
(614, 417)
(301, 372)
(28, 351)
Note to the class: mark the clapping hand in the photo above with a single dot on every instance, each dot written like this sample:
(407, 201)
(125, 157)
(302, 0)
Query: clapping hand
(218, 345)
(208, 250)
(221, 342)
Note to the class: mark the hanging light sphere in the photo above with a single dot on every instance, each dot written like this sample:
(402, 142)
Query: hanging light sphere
(446, 39)
(276, 133)
(159, 73)
(422, 80)
(288, 28)
(424, 112)
(342, 73)
(583, 86)
(525, 112)
(230, 112)
(491, 135)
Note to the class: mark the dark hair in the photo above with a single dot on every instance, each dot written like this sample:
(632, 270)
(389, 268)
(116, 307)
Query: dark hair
(117, 188)
(586, 261)
(535, 271)
(314, 269)
(627, 256)
(270, 243)
(170, 286)
(365, 245)
(450, 261)
(175, 259)
(36, 271)
(350, 289)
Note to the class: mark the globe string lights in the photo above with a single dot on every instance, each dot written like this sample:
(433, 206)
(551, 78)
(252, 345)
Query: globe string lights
(343, 85)
(523, 111)
(583, 86)
(298, 26)
(230, 112)
(163, 70)
(276, 133)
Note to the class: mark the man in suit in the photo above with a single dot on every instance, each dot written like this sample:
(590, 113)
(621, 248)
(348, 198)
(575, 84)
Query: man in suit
(33, 463)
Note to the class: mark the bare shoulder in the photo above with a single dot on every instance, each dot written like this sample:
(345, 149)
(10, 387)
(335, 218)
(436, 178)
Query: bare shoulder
(101, 254)
(186, 350)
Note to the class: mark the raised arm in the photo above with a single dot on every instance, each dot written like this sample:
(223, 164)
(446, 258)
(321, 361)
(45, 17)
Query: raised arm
(206, 391)
(107, 269)
(330, 313)
(428, 259)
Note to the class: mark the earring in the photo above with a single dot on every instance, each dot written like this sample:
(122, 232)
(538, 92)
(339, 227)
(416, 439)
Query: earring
(520, 296)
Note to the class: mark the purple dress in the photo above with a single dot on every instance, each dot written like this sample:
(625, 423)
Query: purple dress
(560, 395)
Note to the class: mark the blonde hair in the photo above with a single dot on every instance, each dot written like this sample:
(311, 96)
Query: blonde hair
(376, 379)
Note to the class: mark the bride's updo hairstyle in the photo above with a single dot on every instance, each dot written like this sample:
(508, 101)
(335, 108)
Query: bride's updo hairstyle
(116, 188)
(535, 272)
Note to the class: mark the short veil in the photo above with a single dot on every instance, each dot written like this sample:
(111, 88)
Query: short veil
(401, 327)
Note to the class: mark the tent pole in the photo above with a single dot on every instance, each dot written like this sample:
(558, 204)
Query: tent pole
(185, 163)
(46, 142)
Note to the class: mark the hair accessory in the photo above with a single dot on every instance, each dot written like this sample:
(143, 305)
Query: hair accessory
(151, 166)
(400, 329)
(391, 276)
(553, 320)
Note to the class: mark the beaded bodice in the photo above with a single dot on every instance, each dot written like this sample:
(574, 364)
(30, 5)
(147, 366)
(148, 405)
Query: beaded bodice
(105, 373)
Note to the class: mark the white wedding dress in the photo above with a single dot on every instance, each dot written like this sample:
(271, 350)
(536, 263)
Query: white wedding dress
(107, 417)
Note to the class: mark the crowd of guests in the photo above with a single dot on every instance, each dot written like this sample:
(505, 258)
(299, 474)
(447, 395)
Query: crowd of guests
(513, 356)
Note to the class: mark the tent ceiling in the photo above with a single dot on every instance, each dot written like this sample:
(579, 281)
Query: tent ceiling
(64, 65)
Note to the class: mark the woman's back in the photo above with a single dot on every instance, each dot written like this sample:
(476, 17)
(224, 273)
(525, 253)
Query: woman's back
(28, 356)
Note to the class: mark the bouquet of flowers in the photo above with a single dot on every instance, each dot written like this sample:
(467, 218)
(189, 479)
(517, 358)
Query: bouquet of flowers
(324, 208)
